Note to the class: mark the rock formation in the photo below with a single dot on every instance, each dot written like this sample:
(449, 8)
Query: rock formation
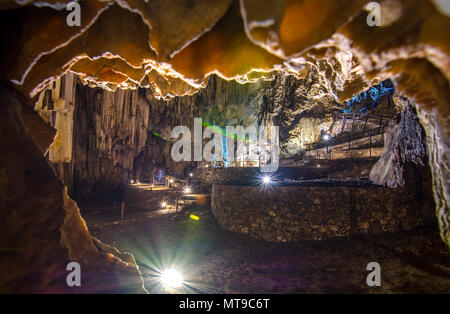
(405, 147)
(112, 131)
(43, 229)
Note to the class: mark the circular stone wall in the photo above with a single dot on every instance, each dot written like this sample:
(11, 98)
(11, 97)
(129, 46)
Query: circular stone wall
(291, 213)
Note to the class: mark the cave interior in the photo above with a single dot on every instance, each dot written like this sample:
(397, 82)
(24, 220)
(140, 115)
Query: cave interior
(225, 147)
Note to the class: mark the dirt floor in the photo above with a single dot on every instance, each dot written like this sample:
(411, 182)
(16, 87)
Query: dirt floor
(213, 260)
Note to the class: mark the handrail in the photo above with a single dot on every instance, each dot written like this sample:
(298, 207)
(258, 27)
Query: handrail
(347, 137)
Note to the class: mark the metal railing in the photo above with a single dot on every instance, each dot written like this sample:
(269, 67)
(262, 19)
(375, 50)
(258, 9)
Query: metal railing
(351, 135)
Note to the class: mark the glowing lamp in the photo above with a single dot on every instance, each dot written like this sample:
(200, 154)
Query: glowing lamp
(171, 278)
(266, 180)
(326, 137)
(187, 190)
(164, 204)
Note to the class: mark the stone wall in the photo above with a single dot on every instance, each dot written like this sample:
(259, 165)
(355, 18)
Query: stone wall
(292, 213)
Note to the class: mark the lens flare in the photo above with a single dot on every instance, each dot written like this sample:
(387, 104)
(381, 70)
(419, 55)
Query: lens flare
(171, 278)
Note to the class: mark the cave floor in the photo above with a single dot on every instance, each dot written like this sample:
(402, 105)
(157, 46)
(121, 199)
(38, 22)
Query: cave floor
(213, 260)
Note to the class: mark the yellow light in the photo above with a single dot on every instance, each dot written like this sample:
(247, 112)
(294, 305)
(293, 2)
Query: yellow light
(171, 181)
(194, 217)
(164, 204)
(171, 278)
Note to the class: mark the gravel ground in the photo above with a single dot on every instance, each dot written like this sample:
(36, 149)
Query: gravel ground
(213, 260)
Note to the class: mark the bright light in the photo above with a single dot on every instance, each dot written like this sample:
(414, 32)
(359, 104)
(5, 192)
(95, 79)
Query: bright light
(191, 174)
(187, 190)
(171, 278)
(266, 180)
(171, 181)
(326, 137)
(163, 204)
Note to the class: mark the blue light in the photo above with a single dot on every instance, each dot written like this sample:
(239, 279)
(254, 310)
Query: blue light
(225, 149)
(369, 99)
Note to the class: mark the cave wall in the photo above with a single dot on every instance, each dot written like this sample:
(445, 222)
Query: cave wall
(55, 106)
(42, 227)
(283, 99)
(124, 134)
(110, 129)
(114, 134)
(405, 162)
(438, 158)
(123, 44)
(405, 151)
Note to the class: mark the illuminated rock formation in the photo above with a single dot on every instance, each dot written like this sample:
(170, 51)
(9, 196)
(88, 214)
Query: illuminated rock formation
(43, 229)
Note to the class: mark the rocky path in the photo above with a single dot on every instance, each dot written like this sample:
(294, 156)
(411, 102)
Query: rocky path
(213, 260)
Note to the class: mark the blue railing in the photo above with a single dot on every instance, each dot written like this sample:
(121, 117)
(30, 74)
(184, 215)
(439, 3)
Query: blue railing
(368, 100)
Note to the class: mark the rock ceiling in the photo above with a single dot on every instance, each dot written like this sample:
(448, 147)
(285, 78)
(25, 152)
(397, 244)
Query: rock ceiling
(173, 46)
